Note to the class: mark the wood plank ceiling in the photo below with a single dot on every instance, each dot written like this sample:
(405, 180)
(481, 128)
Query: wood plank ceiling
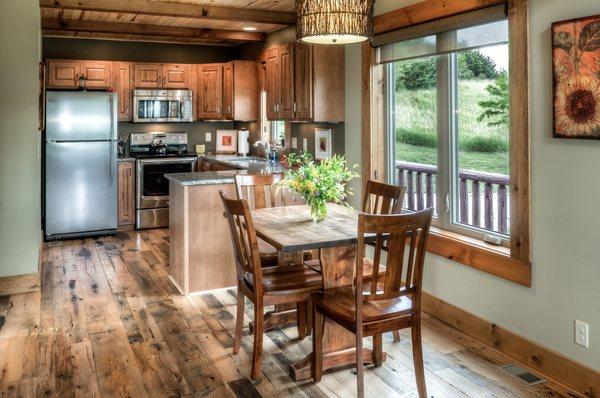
(211, 22)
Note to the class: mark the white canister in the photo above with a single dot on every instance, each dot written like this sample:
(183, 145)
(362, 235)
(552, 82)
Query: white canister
(243, 142)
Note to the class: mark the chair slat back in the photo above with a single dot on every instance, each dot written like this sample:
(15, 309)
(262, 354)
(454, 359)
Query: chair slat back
(401, 232)
(260, 190)
(243, 238)
(380, 198)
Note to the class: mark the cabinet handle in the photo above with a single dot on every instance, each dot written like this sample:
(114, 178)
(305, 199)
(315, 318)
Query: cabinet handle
(294, 107)
(76, 78)
(127, 111)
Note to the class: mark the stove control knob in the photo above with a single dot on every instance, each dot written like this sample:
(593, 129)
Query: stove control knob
(136, 138)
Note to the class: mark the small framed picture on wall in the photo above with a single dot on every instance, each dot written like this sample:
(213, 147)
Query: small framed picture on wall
(322, 143)
(226, 141)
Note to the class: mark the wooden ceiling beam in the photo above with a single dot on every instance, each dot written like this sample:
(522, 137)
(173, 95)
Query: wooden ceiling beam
(170, 9)
(54, 24)
(139, 38)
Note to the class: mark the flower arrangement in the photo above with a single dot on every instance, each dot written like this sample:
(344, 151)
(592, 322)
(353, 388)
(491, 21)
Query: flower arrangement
(318, 183)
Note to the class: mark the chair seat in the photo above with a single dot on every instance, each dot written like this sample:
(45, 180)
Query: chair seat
(341, 302)
(288, 279)
(367, 267)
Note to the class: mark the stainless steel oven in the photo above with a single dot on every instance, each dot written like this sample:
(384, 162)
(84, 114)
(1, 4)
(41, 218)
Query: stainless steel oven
(152, 189)
(155, 106)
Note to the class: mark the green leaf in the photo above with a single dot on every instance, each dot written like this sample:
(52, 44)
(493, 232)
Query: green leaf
(589, 39)
(563, 40)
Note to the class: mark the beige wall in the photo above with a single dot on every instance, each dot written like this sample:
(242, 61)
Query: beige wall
(20, 141)
(565, 214)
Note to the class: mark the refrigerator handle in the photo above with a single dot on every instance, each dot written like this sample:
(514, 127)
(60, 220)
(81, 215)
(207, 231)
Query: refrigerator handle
(110, 166)
(113, 116)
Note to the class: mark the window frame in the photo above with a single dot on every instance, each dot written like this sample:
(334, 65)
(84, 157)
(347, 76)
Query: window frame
(512, 263)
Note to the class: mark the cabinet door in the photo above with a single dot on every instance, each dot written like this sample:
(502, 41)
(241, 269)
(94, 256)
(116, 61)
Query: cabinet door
(148, 76)
(126, 194)
(211, 91)
(63, 74)
(286, 63)
(228, 91)
(97, 74)
(272, 82)
(123, 88)
(303, 82)
(176, 75)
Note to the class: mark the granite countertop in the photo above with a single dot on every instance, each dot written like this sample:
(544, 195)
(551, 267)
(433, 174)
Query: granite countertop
(125, 158)
(247, 165)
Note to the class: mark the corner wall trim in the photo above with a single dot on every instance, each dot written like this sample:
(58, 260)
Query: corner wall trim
(548, 362)
(19, 284)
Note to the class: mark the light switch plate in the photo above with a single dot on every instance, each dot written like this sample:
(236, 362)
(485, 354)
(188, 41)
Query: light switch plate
(294, 142)
(304, 144)
(208, 137)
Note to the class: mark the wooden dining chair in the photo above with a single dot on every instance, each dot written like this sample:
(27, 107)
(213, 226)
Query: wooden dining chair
(378, 198)
(396, 306)
(288, 284)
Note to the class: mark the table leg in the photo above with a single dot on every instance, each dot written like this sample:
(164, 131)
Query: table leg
(338, 264)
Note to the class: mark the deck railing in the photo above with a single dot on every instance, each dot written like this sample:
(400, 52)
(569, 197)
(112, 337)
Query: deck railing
(476, 191)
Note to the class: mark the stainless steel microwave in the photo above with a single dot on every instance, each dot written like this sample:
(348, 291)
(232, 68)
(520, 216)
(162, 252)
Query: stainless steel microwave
(152, 106)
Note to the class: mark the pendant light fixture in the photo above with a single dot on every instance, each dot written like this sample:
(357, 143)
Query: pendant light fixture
(334, 21)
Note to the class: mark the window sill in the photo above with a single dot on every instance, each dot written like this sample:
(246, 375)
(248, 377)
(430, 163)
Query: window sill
(494, 260)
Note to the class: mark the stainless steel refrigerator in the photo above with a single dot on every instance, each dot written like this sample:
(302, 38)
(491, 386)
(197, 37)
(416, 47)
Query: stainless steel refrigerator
(80, 164)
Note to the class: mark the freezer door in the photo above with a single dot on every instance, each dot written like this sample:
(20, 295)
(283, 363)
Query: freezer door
(81, 187)
(81, 116)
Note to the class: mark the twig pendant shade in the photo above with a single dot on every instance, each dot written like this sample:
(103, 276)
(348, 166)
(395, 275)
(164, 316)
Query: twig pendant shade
(334, 21)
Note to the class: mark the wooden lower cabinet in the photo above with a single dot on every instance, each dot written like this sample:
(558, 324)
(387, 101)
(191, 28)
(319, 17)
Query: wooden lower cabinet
(126, 195)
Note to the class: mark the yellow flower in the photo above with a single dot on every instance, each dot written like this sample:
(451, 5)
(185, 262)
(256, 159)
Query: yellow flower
(578, 106)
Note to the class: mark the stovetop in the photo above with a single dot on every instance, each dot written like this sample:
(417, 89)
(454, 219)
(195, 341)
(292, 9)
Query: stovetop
(146, 155)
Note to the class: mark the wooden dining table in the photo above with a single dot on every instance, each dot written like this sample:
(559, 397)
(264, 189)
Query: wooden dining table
(291, 229)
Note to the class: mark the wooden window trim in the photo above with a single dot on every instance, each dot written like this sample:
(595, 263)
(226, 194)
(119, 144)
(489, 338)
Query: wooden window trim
(513, 264)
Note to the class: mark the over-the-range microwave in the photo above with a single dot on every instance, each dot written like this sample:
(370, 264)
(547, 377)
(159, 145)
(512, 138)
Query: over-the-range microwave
(154, 106)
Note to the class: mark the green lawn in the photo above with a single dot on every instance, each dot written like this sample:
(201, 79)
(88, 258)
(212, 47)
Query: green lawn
(416, 111)
(494, 162)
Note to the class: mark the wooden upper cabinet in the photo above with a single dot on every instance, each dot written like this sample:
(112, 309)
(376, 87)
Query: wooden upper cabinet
(210, 91)
(147, 75)
(123, 88)
(97, 74)
(240, 91)
(176, 75)
(272, 82)
(285, 109)
(228, 90)
(328, 83)
(303, 87)
(63, 74)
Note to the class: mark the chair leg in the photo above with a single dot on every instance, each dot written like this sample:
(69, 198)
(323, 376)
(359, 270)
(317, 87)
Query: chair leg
(360, 383)
(396, 334)
(317, 354)
(377, 349)
(239, 321)
(301, 319)
(418, 358)
(309, 317)
(259, 329)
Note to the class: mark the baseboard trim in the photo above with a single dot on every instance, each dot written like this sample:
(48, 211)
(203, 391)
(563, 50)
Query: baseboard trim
(19, 284)
(550, 363)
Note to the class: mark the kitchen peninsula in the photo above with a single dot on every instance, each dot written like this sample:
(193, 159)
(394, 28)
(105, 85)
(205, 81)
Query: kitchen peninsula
(200, 253)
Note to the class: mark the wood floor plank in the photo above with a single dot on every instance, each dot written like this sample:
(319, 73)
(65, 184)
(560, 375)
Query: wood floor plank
(109, 323)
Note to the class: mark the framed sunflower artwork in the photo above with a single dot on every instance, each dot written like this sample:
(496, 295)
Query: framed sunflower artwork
(576, 67)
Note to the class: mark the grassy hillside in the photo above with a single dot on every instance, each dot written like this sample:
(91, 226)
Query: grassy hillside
(482, 148)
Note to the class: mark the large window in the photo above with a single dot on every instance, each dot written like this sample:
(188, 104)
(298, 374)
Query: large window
(448, 127)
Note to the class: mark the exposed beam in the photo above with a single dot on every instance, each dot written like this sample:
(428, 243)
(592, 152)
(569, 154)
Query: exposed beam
(425, 11)
(182, 10)
(140, 38)
(149, 30)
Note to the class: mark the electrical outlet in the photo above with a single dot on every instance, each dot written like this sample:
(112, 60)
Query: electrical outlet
(582, 334)
(304, 144)
(294, 142)
(208, 137)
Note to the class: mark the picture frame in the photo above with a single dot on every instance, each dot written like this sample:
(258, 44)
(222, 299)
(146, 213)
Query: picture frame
(576, 78)
(322, 143)
(226, 141)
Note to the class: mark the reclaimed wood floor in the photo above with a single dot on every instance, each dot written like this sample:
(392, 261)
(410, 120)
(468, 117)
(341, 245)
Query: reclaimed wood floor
(108, 323)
